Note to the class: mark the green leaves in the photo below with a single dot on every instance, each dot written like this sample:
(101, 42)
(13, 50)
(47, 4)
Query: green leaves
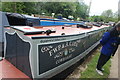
(16, 7)
(81, 10)
(74, 9)
(106, 16)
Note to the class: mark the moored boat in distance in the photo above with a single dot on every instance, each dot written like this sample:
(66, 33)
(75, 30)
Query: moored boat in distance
(45, 51)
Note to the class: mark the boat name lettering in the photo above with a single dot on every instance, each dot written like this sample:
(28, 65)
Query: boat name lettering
(51, 40)
(63, 59)
(64, 52)
(54, 49)
(46, 48)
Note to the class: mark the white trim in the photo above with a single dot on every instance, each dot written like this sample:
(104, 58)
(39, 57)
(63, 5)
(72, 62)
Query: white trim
(5, 42)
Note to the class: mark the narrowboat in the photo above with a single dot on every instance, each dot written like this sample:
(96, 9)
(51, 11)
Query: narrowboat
(45, 51)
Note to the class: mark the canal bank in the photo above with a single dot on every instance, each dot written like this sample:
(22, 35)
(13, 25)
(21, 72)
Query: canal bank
(114, 70)
(87, 68)
(111, 68)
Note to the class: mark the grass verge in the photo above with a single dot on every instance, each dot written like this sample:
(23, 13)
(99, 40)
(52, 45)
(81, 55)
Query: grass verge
(91, 73)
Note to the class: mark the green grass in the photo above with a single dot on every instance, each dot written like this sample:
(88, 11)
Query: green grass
(90, 72)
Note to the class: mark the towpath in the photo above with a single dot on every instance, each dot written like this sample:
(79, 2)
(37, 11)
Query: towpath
(115, 64)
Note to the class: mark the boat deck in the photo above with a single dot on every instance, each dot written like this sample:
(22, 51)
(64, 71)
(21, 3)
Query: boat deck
(70, 30)
(10, 71)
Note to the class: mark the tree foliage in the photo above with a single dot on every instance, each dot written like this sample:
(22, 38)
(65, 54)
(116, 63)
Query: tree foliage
(75, 9)
(65, 9)
(107, 13)
(81, 10)
(13, 7)
(0, 6)
(106, 16)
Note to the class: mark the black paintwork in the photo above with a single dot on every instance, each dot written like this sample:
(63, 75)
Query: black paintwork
(17, 53)
(47, 63)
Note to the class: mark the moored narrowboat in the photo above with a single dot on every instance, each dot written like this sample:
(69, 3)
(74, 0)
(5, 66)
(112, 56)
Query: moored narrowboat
(45, 51)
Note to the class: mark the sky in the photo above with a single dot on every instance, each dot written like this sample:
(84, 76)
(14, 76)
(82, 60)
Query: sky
(98, 6)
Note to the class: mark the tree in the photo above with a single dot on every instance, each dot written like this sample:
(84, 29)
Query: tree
(16, 7)
(107, 13)
(106, 16)
(74, 9)
(97, 18)
(64, 8)
(81, 10)
(0, 6)
(29, 7)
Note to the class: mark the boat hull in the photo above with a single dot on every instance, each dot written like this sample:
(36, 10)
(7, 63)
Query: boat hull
(48, 56)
